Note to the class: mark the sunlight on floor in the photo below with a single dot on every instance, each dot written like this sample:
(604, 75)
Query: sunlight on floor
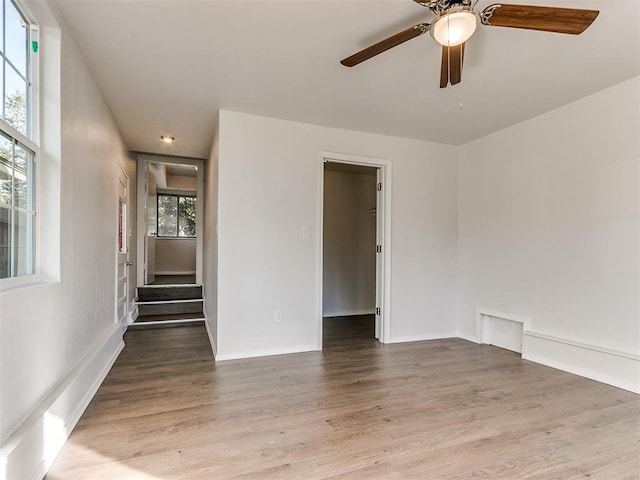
(94, 470)
(54, 439)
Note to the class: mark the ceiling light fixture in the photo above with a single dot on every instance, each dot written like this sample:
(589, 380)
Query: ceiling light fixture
(455, 26)
(167, 138)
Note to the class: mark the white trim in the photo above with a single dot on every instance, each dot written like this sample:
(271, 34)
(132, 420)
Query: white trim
(160, 237)
(10, 283)
(385, 166)
(127, 274)
(595, 348)
(19, 136)
(220, 357)
(169, 322)
(33, 446)
(169, 302)
(620, 369)
(350, 313)
(181, 192)
(613, 367)
(134, 315)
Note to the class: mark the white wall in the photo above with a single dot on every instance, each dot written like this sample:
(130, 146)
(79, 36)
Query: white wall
(349, 238)
(58, 339)
(181, 182)
(210, 248)
(549, 230)
(269, 189)
(175, 256)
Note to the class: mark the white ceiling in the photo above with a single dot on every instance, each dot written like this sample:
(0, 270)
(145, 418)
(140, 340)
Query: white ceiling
(168, 66)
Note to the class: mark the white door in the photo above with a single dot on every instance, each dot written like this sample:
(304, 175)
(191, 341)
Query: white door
(122, 242)
(379, 253)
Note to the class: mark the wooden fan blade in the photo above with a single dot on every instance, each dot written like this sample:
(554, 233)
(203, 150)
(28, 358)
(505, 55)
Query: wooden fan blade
(451, 65)
(385, 45)
(547, 19)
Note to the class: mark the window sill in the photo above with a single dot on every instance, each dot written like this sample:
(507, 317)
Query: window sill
(16, 284)
(176, 238)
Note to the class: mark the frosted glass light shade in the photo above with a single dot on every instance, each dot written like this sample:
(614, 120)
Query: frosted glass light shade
(454, 28)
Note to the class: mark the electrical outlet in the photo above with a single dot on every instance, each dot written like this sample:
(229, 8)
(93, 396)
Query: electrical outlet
(277, 315)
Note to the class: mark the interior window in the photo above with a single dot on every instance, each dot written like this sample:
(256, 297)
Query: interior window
(176, 216)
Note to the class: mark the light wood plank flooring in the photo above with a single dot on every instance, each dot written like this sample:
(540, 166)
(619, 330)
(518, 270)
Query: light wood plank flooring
(444, 409)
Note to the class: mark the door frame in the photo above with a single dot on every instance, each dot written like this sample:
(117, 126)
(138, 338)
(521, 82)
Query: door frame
(384, 202)
(143, 160)
(127, 241)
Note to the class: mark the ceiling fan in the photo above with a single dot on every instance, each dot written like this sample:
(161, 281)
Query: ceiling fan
(456, 21)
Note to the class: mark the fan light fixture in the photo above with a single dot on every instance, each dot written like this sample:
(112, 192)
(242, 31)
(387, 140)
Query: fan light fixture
(167, 138)
(454, 27)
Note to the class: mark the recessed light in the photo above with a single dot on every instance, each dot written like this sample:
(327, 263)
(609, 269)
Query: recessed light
(167, 138)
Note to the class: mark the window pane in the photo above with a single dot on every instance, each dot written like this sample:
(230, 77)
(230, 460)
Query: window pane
(15, 102)
(23, 243)
(5, 187)
(187, 217)
(16, 38)
(167, 216)
(5, 245)
(6, 170)
(23, 175)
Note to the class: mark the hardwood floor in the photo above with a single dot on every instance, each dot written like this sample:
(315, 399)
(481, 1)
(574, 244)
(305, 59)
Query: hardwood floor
(443, 409)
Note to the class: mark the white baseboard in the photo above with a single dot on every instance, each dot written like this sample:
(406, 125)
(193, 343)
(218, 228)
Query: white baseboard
(31, 449)
(620, 369)
(134, 314)
(349, 313)
(421, 338)
(265, 353)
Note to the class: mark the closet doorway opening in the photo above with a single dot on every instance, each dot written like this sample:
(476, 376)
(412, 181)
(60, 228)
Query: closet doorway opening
(353, 251)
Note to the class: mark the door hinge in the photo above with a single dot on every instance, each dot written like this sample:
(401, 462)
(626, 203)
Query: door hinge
(378, 248)
(378, 311)
(379, 186)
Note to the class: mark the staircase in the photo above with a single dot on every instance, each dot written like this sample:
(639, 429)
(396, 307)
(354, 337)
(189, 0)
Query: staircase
(165, 305)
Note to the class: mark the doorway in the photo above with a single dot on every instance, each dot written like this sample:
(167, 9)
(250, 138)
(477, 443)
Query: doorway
(353, 249)
(170, 221)
(170, 238)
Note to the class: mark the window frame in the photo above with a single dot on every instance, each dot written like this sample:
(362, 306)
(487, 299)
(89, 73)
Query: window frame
(178, 196)
(29, 139)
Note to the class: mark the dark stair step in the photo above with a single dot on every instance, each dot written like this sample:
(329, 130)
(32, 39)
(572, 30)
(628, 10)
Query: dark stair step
(169, 317)
(170, 308)
(155, 294)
